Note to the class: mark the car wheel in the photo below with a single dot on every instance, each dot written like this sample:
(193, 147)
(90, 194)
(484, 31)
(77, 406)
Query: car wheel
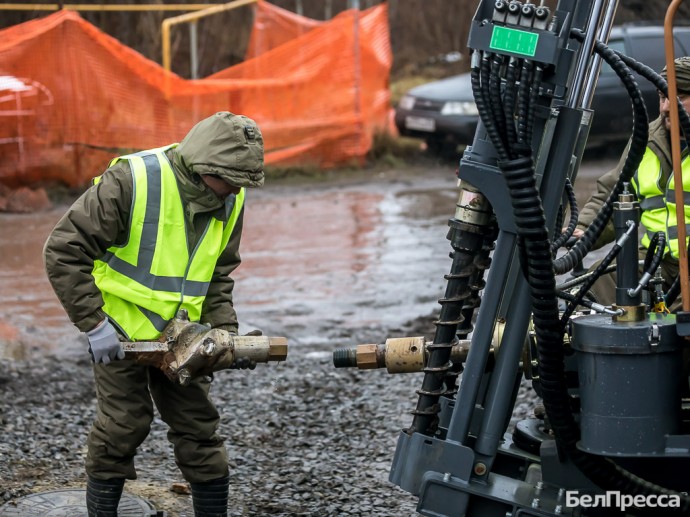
(446, 150)
(434, 146)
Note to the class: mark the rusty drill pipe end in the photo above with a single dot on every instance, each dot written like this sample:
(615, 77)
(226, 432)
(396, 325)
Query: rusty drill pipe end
(345, 357)
(277, 349)
(364, 357)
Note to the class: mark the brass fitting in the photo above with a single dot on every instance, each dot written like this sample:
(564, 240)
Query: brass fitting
(397, 355)
(277, 349)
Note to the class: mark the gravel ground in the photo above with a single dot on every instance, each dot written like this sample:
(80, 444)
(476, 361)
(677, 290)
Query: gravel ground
(304, 438)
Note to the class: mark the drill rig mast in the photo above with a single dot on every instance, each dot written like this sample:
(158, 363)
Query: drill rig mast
(612, 383)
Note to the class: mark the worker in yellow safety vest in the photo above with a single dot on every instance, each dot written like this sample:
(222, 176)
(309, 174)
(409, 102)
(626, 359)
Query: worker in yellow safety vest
(653, 185)
(158, 231)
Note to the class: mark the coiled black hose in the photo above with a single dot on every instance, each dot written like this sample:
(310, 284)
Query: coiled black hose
(579, 296)
(534, 94)
(673, 291)
(661, 85)
(655, 253)
(572, 222)
(485, 74)
(524, 118)
(483, 107)
(637, 149)
(495, 93)
(510, 96)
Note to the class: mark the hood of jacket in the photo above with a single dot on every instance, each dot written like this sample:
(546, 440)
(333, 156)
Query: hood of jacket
(226, 145)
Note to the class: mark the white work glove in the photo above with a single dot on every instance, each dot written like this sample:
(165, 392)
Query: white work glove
(104, 345)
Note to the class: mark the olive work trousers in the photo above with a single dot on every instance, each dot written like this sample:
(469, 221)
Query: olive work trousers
(126, 392)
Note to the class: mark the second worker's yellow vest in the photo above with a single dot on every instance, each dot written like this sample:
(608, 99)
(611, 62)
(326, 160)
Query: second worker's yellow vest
(657, 201)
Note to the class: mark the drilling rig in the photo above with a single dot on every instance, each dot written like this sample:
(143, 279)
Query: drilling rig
(613, 437)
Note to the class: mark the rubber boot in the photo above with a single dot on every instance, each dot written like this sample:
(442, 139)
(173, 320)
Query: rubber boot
(103, 496)
(210, 499)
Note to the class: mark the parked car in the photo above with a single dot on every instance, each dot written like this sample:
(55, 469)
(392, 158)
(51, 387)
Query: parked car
(443, 113)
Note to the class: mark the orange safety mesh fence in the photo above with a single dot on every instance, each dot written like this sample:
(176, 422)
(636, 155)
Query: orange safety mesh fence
(274, 26)
(72, 97)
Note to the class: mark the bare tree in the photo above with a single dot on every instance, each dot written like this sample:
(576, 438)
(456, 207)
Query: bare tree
(420, 30)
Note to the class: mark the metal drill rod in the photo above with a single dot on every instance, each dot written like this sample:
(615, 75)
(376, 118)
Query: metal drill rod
(585, 56)
(475, 365)
(482, 261)
(187, 350)
(468, 228)
(457, 289)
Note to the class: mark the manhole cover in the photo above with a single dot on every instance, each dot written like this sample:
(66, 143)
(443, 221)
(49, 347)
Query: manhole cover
(70, 503)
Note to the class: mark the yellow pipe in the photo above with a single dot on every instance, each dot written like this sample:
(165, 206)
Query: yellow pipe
(675, 152)
(112, 7)
(192, 17)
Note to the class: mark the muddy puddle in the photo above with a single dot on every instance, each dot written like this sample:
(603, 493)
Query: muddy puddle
(323, 263)
(318, 261)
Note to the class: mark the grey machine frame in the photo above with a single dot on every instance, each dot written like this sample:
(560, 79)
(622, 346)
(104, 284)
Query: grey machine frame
(457, 456)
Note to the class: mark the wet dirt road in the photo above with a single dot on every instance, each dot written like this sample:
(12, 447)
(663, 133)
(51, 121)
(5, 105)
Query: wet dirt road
(323, 261)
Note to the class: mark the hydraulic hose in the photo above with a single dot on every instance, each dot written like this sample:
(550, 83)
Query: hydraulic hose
(652, 260)
(583, 278)
(655, 254)
(589, 304)
(637, 149)
(534, 94)
(524, 107)
(572, 223)
(673, 292)
(589, 282)
(483, 106)
(485, 71)
(661, 85)
(510, 97)
(495, 93)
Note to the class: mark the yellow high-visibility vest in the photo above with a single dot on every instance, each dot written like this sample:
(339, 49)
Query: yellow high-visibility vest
(657, 201)
(154, 274)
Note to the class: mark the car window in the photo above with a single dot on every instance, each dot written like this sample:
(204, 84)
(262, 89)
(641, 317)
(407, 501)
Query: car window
(682, 40)
(650, 50)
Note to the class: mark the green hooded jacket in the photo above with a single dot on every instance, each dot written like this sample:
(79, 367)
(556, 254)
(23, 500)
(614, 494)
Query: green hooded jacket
(224, 144)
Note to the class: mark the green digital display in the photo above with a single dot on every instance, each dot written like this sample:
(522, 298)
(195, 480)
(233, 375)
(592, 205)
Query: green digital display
(514, 40)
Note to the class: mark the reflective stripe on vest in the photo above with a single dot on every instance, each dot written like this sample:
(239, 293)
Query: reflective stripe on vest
(658, 201)
(148, 279)
(672, 224)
